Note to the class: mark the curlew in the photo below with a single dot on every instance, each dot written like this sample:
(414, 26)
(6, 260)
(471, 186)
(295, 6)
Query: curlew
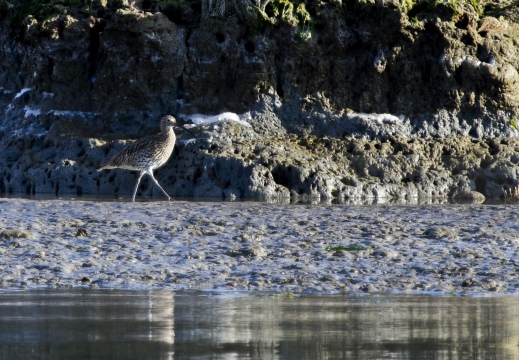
(147, 154)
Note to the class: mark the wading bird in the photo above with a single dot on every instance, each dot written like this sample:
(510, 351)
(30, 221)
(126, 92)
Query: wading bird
(148, 153)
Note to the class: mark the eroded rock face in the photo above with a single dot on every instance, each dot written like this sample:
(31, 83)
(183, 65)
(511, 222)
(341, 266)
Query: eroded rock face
(288, 166)
(376, 105)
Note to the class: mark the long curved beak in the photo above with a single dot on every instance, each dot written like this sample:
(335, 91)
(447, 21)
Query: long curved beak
(182, 127)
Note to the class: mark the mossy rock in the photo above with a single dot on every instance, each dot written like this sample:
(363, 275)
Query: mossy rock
(15, 234)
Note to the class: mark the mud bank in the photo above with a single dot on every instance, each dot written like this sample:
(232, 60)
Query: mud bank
(461, 249)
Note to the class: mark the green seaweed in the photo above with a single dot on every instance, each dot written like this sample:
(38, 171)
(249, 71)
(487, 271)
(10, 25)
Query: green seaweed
(346, 248)
(24, 13)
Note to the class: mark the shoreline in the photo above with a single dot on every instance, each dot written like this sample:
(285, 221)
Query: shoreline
(279, 200)
(251, 246)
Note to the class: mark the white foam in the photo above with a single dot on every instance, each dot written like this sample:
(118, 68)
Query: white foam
(31, 112)
(23, 91)
(203, 120)
(381, 118)
(65, 113)
(188, 141)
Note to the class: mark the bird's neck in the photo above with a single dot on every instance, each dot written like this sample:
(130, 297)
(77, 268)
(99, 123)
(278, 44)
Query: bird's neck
(167, 131)
(169, 134)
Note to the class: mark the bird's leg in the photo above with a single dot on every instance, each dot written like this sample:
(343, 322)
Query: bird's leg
(137, 185)
(157, 183)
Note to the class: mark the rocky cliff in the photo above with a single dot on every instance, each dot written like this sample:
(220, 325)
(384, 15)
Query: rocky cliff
(390, 101)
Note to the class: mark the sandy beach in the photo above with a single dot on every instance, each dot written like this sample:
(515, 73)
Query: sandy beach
(316, 249)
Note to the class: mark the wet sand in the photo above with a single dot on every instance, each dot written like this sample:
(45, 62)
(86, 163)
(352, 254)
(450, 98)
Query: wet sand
(317, 249)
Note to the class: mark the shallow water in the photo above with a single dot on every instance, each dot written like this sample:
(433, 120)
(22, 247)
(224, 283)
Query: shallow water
(115, 324)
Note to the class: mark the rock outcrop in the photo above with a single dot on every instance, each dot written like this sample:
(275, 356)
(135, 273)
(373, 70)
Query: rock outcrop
(372, 102)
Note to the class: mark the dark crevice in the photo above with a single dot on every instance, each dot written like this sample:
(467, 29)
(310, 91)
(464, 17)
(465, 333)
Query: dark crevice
(250, 47)
(279, 86)
(94, 48)
(220, 37)
(481, 185)
(418, 8)
(197, 174)
(283, 176)
(185, 14)
(458, 77)
(61, 28)
(468, 40)
(463, 23)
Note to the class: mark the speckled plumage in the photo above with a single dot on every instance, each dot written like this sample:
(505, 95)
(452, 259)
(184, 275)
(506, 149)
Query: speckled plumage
(147, 153)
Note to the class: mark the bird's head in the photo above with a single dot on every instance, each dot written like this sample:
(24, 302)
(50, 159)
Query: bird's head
(169, 122)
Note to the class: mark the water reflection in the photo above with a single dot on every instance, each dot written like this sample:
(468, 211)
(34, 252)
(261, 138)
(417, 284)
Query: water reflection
(88, 324)
(84, 324)
(349, 328)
